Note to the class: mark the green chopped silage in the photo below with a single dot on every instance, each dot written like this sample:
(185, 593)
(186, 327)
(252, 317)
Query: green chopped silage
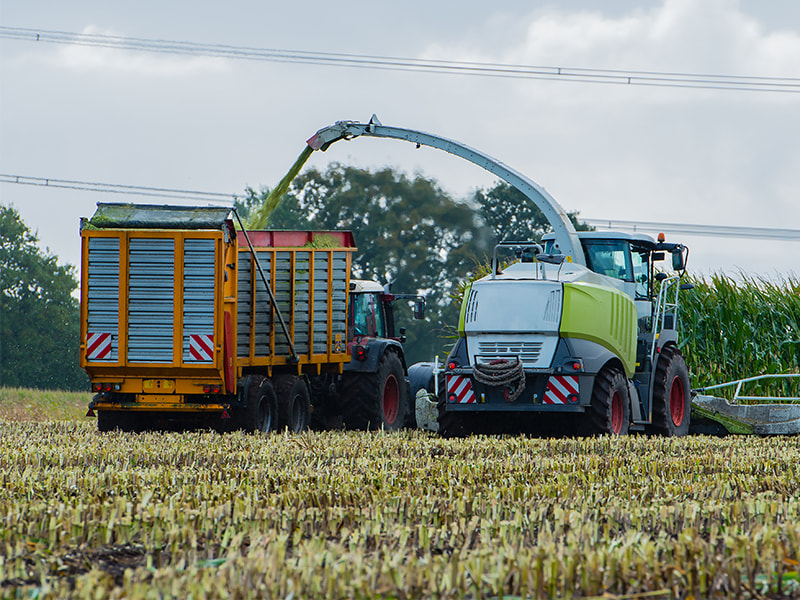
(259, 218)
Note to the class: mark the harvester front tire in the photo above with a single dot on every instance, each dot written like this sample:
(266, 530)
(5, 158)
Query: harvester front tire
(672, 406)
(611, 406)
(261, 413)
(376, 400)
(294, 403)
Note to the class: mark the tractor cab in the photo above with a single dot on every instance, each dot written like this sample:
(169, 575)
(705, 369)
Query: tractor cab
(371, 313)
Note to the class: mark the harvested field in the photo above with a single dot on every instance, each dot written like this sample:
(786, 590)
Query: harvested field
(407, 515)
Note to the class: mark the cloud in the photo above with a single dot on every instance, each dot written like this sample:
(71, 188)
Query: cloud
(678, 36)
(122, 61)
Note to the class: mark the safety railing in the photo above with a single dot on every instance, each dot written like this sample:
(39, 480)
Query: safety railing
(740, 382)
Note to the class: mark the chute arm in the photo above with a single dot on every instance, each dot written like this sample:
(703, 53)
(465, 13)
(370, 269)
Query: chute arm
(566, 236)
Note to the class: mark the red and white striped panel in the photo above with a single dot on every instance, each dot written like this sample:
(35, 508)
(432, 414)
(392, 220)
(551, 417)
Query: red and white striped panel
(98, 346)
(461, 388)
(201, 346)
(559, 388)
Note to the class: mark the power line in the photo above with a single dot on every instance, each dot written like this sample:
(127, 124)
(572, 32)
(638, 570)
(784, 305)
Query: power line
(392, 63)
(791, 235)
(113, 188)
(764, 233)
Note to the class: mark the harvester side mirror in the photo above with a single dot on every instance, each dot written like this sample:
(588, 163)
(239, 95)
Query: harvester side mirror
(678, 259)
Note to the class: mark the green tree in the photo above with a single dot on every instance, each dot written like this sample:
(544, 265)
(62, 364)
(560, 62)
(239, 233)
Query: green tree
(39, 327)
(408, 231)
(512, 216)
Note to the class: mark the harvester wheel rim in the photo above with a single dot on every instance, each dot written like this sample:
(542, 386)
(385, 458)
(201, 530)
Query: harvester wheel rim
(677, 401)
(617, 412)
(391, 399)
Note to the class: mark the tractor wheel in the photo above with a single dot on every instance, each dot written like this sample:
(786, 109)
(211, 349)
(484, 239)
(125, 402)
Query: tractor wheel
(261, 412)
(672, 405)
(610, 410)
(376, 400)
(294, 403)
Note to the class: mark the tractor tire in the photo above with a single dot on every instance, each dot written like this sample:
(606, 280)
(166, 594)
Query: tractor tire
(611, 406)
(376, 400)
(261, 413)
(294, 403)
(672, 407)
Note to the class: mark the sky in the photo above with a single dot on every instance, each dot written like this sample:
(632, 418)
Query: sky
(616, 152)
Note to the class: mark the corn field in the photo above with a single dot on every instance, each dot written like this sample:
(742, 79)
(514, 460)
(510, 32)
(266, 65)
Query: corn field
(732, 330)
(406, 515)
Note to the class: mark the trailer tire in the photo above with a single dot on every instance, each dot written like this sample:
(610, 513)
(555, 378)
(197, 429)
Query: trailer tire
(672, 405)
(261, 412)
(294, 403)
(611, 406)
(376, 400)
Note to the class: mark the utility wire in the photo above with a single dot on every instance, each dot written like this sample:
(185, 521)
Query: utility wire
(114, 188)
(649, 226)
(485, 69)
(764, 233)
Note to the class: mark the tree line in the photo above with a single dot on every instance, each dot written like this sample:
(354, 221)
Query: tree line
(408, 230)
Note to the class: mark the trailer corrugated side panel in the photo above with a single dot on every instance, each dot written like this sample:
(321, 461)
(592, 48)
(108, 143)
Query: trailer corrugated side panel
(199, 274)
(310, 289)
(102, 311)
(151, 300)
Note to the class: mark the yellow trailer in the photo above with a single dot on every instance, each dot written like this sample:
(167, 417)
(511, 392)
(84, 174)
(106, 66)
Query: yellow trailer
(184, 317)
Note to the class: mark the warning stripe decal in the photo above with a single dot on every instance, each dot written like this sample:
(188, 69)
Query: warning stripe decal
(461, 388)
(559, 388)
(98, 346)
(201, 347)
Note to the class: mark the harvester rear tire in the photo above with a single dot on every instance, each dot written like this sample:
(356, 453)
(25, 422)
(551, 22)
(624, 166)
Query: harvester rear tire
(611, 405)
(294, 403)
(261, 413)
(376, 400)
(672, 405)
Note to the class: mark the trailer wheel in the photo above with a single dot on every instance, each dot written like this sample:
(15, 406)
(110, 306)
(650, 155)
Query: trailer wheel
(610, 411)
(294, 403)
(671, 394)
(262, 408)
(376, 400)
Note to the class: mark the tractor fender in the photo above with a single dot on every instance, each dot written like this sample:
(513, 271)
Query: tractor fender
(376, 348)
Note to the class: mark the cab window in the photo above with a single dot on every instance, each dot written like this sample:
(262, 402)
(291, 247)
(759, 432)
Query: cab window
(641, 269)
(367, 315)
(609, 257)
